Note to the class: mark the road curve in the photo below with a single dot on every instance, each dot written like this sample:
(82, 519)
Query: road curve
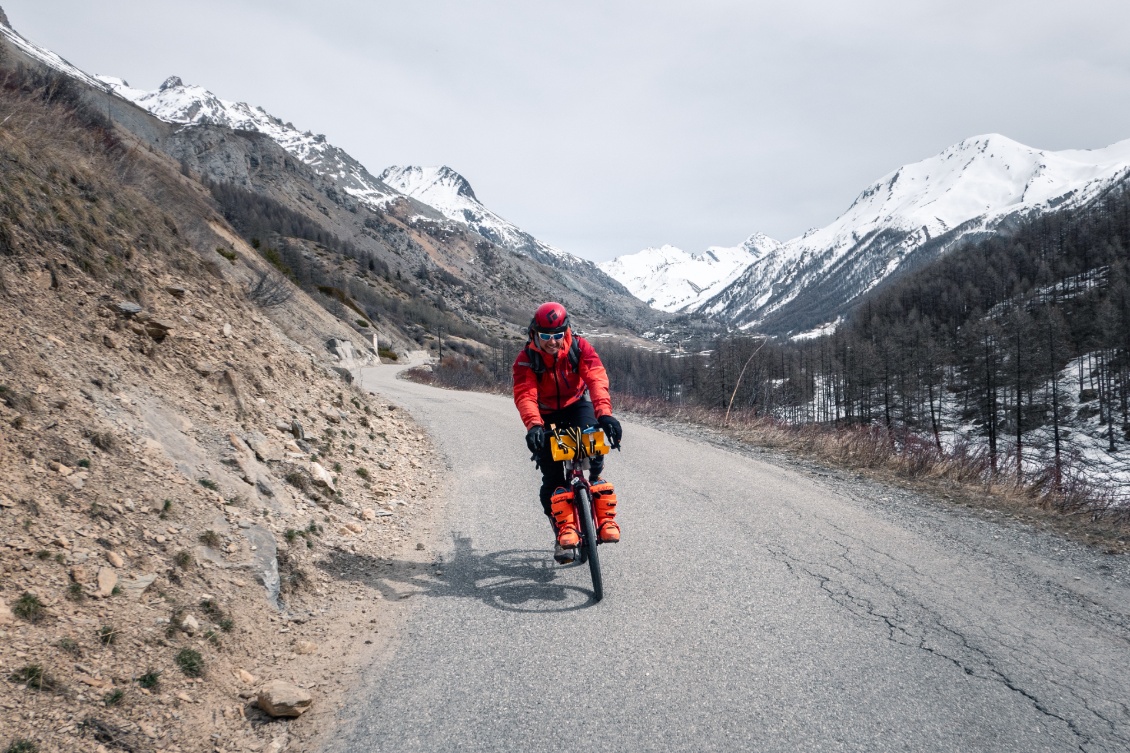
(750, 607)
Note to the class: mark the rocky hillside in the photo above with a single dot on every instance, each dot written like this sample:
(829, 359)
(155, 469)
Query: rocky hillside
(382, 262)
(189, 485)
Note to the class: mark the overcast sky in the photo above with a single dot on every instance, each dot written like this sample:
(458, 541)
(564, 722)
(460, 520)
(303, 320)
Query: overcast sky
(605, 127)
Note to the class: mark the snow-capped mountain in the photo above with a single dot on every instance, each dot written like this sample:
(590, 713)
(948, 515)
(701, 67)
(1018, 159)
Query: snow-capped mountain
(908, 217)
(670, 279)
(451, 195)
(440, 188)
(904, 219)
(176, 102)
(48, 58)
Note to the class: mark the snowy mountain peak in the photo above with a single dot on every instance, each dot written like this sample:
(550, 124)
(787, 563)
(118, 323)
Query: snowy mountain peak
(177, 102)
(670, 278)
(436, 182)
(919, 210)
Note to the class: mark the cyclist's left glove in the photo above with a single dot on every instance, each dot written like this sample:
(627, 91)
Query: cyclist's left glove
(612, 428)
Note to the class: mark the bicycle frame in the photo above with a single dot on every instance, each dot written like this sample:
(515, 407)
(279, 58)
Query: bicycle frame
(575, 448)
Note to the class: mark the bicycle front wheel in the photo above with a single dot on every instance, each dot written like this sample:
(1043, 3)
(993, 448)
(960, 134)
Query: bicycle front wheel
(589, 542)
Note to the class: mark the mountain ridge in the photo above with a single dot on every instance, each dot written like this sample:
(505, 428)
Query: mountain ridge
(903, 219)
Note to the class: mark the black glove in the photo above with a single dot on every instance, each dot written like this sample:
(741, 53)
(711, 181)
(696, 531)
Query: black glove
(612, 428)
(535, 439)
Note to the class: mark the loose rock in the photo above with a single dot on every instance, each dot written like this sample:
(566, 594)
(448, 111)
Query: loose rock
(107, 579)
(305, 647)
(281, 698)
(136, 586)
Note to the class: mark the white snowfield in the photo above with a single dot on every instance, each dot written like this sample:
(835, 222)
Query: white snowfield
(969, 187)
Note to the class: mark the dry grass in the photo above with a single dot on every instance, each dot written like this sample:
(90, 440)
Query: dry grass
(459, 373)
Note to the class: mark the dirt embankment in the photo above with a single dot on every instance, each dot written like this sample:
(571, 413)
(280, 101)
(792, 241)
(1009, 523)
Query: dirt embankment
(189, 490)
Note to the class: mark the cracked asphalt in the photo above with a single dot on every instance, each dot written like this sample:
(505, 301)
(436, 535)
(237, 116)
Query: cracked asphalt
(754, 604)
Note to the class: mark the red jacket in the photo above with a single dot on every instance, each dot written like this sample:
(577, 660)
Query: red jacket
(558, 383)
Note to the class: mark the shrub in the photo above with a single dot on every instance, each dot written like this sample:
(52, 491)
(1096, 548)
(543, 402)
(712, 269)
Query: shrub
(75, 592)
(107, 635)
(35, 678)
(103, 440)
(210, 539)
(114, 697)
(226, 253)
(22, 745)
(183, 559)
(70, 646)
(149, 680)
(270, 290)
(190, 662)
(363, 473)
(29, 607)
(208, 483)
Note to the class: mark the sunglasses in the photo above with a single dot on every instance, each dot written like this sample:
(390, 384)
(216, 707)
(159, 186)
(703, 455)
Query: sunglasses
(547, 336)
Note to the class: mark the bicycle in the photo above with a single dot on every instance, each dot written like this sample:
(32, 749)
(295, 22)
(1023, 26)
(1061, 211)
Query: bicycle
(575, 447)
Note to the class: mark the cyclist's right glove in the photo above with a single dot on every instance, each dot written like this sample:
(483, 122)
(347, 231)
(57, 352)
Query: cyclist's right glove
(535, 439)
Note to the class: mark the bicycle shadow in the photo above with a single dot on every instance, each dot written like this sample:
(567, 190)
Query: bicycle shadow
(513, 580)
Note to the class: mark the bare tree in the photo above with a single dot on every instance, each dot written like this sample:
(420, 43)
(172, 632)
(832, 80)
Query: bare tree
(270, 290)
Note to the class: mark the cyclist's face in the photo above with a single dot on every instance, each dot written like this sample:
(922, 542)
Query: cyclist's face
(552, 345)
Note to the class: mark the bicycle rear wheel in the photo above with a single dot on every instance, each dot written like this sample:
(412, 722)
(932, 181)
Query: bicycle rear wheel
(589, 542)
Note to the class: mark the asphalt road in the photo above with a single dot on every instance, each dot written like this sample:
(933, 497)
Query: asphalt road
(749, 607)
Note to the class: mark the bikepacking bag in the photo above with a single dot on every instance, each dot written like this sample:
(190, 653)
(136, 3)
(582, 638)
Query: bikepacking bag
(564, 447)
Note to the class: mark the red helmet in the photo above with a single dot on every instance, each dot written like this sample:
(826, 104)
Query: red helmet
(550, 317)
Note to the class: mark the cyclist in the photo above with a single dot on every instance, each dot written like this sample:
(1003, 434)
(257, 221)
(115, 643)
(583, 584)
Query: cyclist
(554, 376)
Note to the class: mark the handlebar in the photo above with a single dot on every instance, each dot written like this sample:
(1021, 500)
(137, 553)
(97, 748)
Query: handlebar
(535, 457)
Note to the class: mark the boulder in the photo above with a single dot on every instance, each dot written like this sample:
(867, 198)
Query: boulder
(135, 587)
(127, 308)
(266, 450)
(281, 698)
(158, 329)
(321, 475)
(107, 579)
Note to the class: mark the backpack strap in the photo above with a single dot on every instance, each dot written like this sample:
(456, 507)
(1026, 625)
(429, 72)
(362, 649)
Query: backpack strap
(534, 358)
